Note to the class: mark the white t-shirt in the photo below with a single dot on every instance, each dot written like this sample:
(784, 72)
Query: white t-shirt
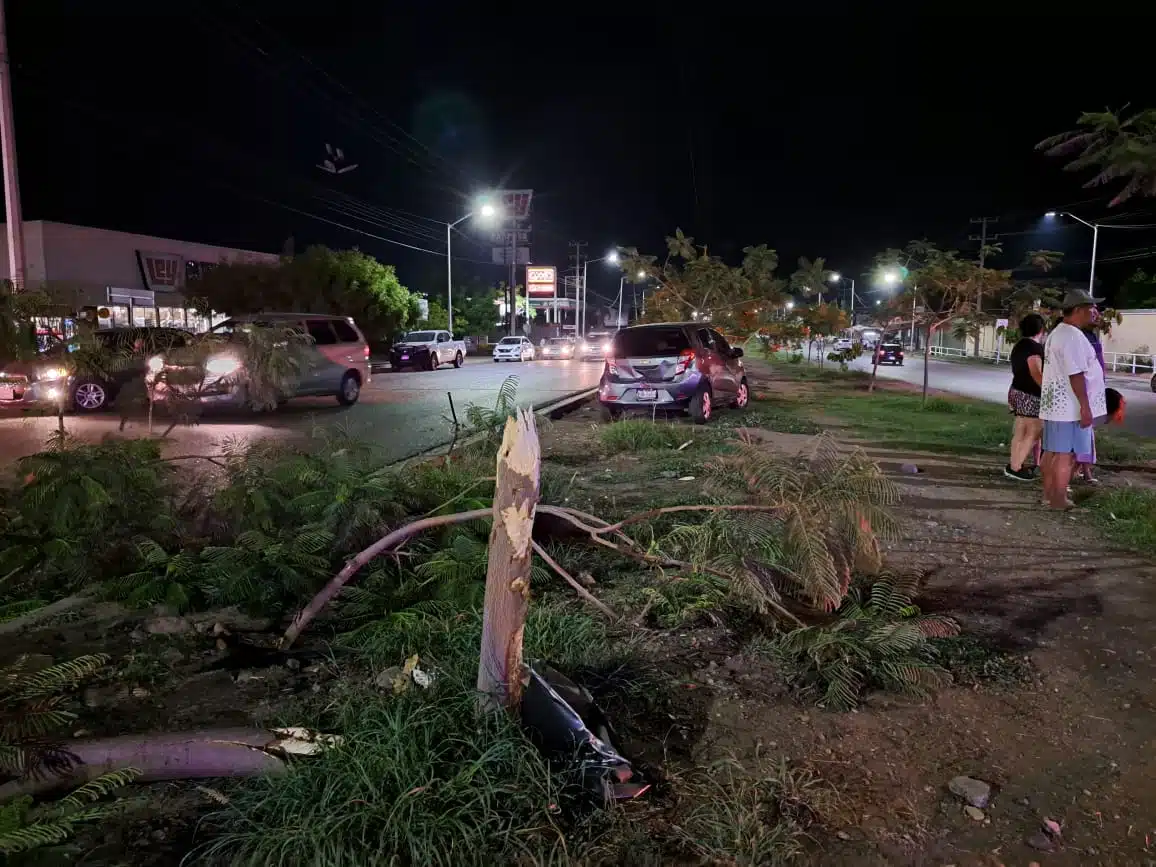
(1066, 353)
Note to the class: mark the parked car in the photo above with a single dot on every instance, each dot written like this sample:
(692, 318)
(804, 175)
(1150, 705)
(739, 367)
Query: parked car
(427, 350)
(595, 345)
(514, 349)
(842, 344)
(53, 375)
(889, 352)
(337, 360)
(559, 347)
(672, 366)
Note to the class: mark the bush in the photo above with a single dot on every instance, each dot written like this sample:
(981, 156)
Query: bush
(878, 640)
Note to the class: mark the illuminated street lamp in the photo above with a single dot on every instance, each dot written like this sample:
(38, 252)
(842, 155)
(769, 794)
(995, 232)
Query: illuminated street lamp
(488, 212)
(1095, 227)
(837, 278)
(790, 305)
(612, 258)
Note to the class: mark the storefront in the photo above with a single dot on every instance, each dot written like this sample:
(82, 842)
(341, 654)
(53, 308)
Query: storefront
(128, 279)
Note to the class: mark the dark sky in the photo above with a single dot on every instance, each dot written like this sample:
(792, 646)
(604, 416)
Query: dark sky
(824, 136)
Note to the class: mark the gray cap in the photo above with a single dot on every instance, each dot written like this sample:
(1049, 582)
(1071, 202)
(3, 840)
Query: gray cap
(1079, 298)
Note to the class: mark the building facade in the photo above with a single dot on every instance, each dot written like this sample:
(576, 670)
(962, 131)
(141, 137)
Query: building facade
(128, 279)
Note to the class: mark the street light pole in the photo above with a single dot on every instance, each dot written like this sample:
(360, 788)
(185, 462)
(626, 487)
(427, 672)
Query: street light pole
(486, 211)
(8, 154)
(1095, 227)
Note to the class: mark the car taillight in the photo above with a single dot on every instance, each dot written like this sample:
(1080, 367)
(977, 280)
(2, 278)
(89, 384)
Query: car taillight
(612, 366)
(367, 353)
(685, 360)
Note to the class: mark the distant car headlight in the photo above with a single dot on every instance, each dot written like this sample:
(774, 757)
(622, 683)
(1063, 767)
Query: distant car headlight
(606, 346)
(585, 347)
(52, 373)
(222, 365)
(156, 364)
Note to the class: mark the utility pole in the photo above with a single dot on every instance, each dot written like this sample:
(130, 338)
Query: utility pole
(983, 239)
(8, 155)
(577, 257)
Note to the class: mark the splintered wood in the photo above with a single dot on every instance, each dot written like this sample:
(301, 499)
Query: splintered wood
(510, 556)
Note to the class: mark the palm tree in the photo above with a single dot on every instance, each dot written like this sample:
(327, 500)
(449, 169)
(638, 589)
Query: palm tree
(811, 278)
(1118, 149)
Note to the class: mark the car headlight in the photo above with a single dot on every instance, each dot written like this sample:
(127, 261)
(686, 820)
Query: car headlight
(51, 373)
(222, 365)
(606, 346)
(156, 364)
(585, 347)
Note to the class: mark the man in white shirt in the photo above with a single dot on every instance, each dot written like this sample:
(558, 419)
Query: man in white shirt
(1071, 396)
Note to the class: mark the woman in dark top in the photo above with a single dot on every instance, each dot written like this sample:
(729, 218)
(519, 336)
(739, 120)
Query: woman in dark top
(1027, 362)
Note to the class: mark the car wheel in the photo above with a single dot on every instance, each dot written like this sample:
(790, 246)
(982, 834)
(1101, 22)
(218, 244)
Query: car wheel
(458, 360)
(90, 396)
(433, 361)
(609, 413)
(743, 396)
(350, 390)
(702, 406)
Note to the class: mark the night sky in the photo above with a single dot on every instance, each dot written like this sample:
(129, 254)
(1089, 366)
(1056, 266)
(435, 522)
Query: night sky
(821, 136)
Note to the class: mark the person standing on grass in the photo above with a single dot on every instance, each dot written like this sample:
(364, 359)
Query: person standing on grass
(1071, 396)
(1086, 460)
(1027, 363)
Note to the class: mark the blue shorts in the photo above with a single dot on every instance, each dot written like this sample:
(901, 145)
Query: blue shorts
(1067, 437)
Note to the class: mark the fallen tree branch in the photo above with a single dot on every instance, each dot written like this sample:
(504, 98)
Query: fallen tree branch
(354, 564)
(574, 583)
(670, 510)
(39, 615)
(459, 495)
(231, 752)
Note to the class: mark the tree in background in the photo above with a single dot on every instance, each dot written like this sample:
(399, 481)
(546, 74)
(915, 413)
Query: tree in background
(821, 321)
(340, 282)
(693, 285)
(811, 278)
(1116, 149)
(438, 317)
(1137, 292)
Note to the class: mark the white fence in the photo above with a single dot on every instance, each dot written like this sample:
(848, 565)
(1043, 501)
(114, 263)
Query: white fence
(1115, 362)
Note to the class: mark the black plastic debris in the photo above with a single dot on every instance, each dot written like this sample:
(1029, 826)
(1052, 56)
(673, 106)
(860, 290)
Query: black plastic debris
(565, 723)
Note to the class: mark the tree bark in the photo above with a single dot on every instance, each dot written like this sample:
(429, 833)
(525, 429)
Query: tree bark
(510, 557)
(875, 362)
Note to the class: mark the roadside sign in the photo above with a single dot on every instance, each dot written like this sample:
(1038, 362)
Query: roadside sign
(1000, 323)
(541, 281)
(506, 239)
(515, 203)
(501, 256)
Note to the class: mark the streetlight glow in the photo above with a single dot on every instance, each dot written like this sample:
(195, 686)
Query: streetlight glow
(488, 210)
(612, 257)
(1050, 214)
(790, 305)
(641, 275)
(834, 277)
(877, 302)
(890, 278)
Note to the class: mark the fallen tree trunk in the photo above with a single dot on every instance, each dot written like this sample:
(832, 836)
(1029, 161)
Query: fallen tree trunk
(229, 752)
(39, 615)
(510, 558)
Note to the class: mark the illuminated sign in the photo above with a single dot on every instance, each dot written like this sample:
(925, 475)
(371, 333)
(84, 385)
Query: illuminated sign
(541, 281)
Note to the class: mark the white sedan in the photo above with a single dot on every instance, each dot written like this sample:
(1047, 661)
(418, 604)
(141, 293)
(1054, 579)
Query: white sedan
(514, 349)
(841, 344)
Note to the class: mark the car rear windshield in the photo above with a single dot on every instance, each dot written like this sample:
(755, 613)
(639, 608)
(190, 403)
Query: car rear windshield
(634, 343)
(560, 341)
(892, 345)
(421, 337)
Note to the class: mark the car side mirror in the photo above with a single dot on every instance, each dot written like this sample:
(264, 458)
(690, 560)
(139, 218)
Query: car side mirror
(737, 352)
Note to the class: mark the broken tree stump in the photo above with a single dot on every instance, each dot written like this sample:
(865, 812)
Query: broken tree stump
(508, 572)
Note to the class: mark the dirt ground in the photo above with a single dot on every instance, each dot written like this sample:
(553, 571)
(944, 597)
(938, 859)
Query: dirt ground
(1074, 743)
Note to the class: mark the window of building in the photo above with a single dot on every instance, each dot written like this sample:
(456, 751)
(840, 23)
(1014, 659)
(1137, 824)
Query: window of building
(172, 317)
(117, 316)
(143, 316)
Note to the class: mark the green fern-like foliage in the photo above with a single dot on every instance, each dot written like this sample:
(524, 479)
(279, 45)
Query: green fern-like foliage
(77, 510)
(23, 829)
(878, 639)
(492, 420)
(823, 515)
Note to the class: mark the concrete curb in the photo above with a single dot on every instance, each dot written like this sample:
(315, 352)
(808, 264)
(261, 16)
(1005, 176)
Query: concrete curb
(562, 403)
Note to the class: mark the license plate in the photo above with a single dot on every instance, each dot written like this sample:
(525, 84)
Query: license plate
(646, 394)
(7, 392)
(405, 358)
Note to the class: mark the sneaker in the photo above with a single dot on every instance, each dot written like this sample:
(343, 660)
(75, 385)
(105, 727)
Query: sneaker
(1024, 475)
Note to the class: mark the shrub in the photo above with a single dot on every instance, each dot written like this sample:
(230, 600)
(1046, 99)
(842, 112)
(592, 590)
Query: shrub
(878, 640)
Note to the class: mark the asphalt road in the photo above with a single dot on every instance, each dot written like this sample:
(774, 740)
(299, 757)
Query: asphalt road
(406, 411)
(991, 383)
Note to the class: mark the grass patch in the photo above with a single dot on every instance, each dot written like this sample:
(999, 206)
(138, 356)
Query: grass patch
(633, 435)
(944, 424)
(1127, 515)
(781, 416)
(1123, 447)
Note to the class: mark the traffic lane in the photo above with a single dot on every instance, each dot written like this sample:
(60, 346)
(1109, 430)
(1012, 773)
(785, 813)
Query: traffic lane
(404, 412)
(991, 384)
